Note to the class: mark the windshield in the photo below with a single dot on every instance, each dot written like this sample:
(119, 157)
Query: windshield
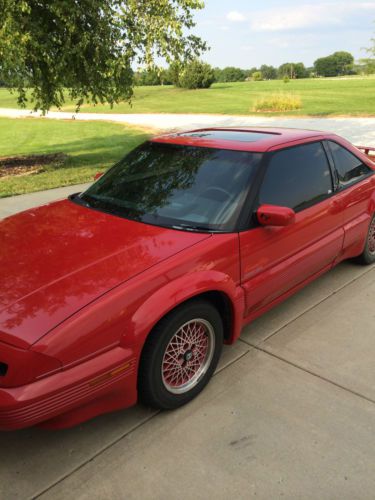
(176, 186)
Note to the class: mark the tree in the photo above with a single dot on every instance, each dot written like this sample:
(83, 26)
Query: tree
(344, 61)
(268, 72)
(369, 62)
(250, 71)
(232, 74)
(147, 77)
(292, 70)
(166, 77)
(85, 49)
(196, 75)
(217, 73)
(172, 74)
(326, 66)
(367, 66)
(338, 63)
(371, 50)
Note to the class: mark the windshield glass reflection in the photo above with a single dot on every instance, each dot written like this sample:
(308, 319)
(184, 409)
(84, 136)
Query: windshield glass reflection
(176, 186)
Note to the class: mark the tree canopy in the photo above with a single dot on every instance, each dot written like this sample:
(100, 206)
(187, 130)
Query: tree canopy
(371, 50)
(268, 72)
(369, 62)
(230, 74)
(196, 75)
(292, 70)
(337, 64)
(85, 49)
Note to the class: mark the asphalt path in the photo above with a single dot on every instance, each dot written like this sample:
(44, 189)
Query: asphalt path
(360, 131)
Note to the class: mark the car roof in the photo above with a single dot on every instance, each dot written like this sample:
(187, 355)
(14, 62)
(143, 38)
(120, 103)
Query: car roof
(259, 139)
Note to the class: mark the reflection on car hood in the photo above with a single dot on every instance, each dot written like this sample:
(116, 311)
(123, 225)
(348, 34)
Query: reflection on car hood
(57, 258)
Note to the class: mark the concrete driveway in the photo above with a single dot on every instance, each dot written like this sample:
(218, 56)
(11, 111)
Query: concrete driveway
(290, 413)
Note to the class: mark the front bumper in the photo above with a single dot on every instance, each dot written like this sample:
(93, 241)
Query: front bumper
(100, 385)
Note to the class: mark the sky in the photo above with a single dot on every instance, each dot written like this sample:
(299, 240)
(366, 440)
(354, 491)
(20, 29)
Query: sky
(251, 33)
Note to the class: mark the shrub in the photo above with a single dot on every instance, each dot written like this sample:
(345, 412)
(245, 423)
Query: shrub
(257, 76)
(196, 75)
(278, 102)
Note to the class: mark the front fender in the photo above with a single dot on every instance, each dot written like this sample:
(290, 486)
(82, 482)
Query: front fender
(180, 290)
(127, 313)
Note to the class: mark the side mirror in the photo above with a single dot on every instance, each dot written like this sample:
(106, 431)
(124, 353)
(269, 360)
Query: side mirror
(272, 215)
(98, 175)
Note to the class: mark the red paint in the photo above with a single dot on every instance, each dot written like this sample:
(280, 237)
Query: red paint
(270, 215)
(80, 290)
(275, 137)
(59, 257)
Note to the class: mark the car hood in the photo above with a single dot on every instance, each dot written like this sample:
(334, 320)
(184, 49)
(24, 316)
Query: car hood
(57, 258)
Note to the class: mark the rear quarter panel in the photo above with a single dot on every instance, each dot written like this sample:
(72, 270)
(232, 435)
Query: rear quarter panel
(358, 205)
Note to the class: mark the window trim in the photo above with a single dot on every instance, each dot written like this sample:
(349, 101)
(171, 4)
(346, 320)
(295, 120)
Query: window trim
(341, 187)
(334, 172)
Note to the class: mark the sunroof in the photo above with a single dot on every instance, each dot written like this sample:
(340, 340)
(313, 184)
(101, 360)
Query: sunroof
(229, 135)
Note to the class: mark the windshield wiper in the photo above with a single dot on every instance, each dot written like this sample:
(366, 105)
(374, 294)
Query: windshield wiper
(77, 199)
(195, 228)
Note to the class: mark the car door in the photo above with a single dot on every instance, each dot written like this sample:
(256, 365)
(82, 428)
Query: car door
(356, 182)
(276, 260)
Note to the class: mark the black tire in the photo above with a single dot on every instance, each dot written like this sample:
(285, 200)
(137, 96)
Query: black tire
(153, 387)
(368, 256)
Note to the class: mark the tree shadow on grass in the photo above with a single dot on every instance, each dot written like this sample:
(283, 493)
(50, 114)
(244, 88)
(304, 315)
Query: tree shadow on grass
(94, 151)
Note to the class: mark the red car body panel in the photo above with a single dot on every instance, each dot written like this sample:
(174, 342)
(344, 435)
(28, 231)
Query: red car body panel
(67, 256)
(275, 137)
(80, 290)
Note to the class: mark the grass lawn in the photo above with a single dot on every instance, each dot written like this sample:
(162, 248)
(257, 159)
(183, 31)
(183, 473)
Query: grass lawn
(90, 146)
(320, 97)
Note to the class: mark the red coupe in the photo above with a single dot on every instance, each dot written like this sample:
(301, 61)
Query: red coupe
(128, 290)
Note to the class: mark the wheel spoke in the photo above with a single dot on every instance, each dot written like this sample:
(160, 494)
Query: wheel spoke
(188, 355)
(371, 237)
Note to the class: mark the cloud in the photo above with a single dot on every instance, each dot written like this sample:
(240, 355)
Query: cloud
(247, 48)
(280, 43)
(236, 16)
(308, 15)
(305, 41)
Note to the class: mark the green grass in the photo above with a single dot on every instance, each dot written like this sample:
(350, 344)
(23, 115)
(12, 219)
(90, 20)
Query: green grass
(320, 97)
(91, 147)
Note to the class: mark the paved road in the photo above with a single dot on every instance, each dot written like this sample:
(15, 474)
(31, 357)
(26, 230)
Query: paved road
(290, 412)
(357, 130)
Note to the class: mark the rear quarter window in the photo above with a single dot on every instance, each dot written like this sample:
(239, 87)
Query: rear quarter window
(350, 169)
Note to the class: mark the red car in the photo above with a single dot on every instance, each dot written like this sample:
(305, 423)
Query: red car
(128, 290)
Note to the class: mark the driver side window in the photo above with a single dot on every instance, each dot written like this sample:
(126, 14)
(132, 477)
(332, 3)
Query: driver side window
(297, 177)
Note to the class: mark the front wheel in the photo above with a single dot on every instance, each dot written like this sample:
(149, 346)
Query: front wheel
(180, 355)
(368, 255)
